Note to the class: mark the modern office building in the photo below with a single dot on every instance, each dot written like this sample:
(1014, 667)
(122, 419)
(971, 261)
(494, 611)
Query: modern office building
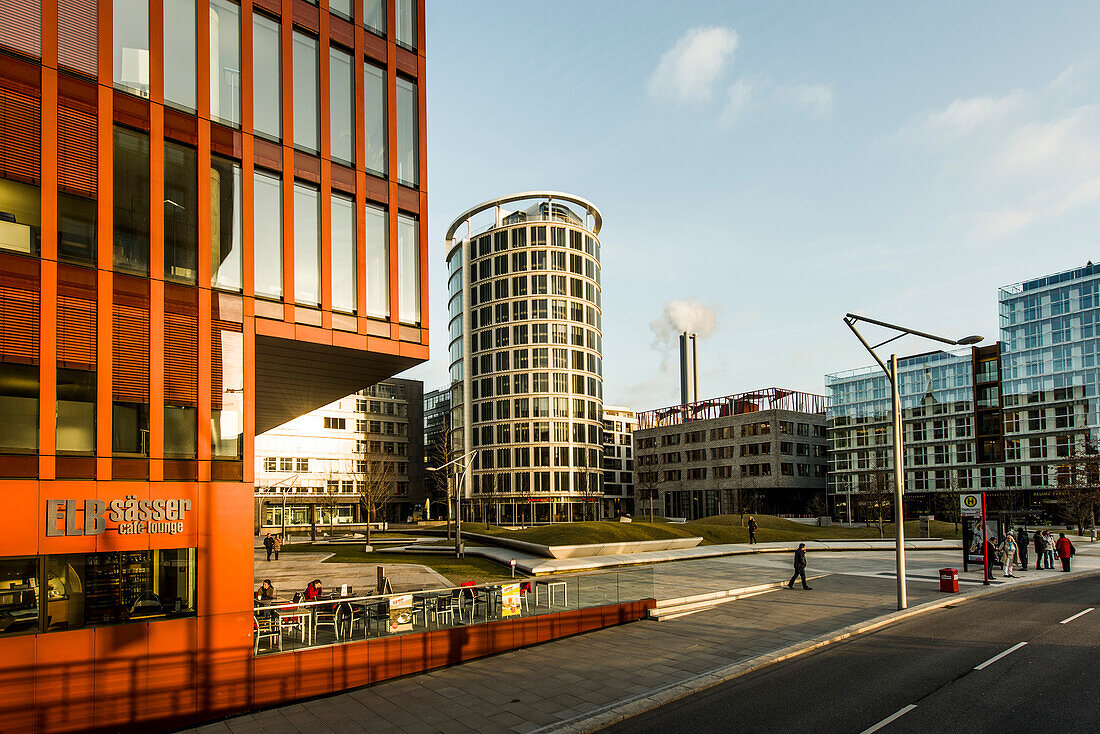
(618, 461)
(211, 221)
(437, 451)
(320, 471)
(1000, 418)
(761, 451)
(525, 346)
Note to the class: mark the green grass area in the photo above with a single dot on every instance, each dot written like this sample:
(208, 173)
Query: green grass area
(719, 529)
(456, 570)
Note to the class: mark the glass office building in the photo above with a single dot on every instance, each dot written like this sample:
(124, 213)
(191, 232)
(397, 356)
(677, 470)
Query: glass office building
(996, 418)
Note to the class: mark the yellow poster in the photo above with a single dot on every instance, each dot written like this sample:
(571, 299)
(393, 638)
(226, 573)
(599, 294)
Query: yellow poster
(401, 613)
(511, 600)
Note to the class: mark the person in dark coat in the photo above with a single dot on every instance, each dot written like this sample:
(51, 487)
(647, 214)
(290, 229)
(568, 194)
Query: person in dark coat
(269, 544)
(1040, 549)
(752, 529)
(799, 567)
(1021, 546)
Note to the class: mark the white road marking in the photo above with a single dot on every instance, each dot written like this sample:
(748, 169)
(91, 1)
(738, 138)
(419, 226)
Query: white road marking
(1067, 620)
(998, 656)
(888, 719)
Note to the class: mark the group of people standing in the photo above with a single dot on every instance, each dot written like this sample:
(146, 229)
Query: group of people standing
(1013, 549)
(272, 543)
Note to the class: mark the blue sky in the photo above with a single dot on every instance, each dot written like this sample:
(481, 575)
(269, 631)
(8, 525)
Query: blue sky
(764, 168)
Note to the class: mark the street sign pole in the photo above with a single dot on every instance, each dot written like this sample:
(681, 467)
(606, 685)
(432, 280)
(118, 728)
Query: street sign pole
(985, 544)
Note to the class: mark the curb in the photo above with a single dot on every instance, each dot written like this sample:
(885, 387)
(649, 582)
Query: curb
(610, 714)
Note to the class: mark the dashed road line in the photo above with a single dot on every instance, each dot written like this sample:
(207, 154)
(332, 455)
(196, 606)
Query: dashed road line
(1067, 620)
(892, 717)
(1000, 655)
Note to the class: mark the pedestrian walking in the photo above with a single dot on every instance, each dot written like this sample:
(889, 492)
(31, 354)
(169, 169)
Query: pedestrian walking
(752, 529)
(269, 544)
(1048, 551)
(1021, 546)
(799, 567)
(276, 545)
(1065, 550)
(1040, 549)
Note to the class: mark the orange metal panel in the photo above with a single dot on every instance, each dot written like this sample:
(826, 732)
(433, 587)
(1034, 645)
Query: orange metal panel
(313, 672)
(17, 665)
(383, 659)
(20, 498)
(171, 693)
(64, 681)
(121, 657)
(225, 663)
(225, 519)
(416, 652)
(349, 665)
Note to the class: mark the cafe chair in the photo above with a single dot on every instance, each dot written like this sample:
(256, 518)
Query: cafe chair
(444, 608)
(524, 595)
(267, 629)
(326, 618)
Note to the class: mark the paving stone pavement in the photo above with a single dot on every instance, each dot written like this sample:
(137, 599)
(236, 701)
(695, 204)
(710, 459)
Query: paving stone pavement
(538, 688)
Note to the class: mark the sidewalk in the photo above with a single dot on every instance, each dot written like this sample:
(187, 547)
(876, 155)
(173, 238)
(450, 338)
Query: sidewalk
(293, 571)
(584, 682)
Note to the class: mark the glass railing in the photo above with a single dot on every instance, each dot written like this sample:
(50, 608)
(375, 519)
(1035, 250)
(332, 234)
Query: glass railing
(284, 626)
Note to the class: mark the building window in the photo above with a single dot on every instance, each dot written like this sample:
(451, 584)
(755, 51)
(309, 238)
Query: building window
(374, 118)
(378, 263)
(267, 115)
(268, 230)
(131, 46)
(341, 107)
(20, 207)
(335, 424)
(343, 254)
(225, 62)
(341, 8)
(307, 245)
(225, 223)
(76, 394)
(407, 128)
(307, 100)
(181, 217)
(406, 23)
(131, 200)
(374, 16)
(408, 268)
(180, 46)
(18, 404)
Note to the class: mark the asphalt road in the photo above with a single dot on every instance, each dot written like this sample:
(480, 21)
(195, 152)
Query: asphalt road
(1049, 684)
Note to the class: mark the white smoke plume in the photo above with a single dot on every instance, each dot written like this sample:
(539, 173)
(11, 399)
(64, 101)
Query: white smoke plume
(680, 316)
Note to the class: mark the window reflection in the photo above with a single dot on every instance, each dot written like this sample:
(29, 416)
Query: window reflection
(374, 117)
(378, 263)
(307, 245)
(131, 46)
(408, 268)
(374, 16)
(225, 223)
(306, 98)
(131, 200)
(343, 254)
(179, 52)
(20, 217)
(225, 62)
(268, 233)
(76, 411)
(181, 215)
(406, 23)
(267, 112)
(18, 405)
(406, 132)
(341, 107)
(19, 595)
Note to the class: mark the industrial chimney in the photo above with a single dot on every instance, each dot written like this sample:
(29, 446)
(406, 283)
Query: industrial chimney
(689, 368)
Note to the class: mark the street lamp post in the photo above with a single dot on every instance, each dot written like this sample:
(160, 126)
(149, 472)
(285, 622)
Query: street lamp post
(899, 448)
(459, 552)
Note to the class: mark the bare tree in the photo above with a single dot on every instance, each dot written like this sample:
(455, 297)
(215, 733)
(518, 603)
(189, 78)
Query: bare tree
(375, 483)
(646, 485)
(874, 495)
(441, 453)
(1077, 479)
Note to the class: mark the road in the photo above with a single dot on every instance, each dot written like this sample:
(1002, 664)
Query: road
(959, 669)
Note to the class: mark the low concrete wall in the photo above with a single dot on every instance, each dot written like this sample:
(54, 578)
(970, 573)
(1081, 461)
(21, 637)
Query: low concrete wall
(588, 549)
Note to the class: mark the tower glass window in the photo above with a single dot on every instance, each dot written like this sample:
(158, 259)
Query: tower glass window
(374, 118)
(408, 268)
(180, 41)
(268, 235)
(307, 245)
(225, 62)
(225, 223)
(267, 108)
(181, 217)
(407, 153)
(307, 100)
(343, 254)
(130, 35)
(378, 263)
(341, 106)
(131, 200)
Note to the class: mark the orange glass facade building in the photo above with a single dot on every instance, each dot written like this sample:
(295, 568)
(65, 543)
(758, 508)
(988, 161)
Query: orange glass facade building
(212, 220)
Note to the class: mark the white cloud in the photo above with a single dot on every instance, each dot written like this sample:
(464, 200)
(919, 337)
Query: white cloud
(817, 99)
(1002, 223)
(964, 116)
(738, 98)
(1084, 193)
(1068, 142)
(688, 72)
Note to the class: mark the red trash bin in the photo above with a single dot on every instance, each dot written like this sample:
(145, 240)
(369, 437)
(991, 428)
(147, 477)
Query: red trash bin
(949, 580)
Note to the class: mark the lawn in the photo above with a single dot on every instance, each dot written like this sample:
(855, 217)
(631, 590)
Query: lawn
(719, 529)
(456, 570)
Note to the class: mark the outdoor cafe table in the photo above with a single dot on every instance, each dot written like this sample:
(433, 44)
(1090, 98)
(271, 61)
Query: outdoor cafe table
(290, 617)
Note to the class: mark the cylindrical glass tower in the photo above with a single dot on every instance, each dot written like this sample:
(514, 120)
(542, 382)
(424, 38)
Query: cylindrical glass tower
(526, 358)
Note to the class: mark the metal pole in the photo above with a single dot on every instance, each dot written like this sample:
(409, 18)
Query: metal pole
(985, 545)
(899, 482)
(458, 516)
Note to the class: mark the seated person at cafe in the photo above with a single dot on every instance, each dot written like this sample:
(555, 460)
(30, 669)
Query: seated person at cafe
(266, 592)
(313, 590)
